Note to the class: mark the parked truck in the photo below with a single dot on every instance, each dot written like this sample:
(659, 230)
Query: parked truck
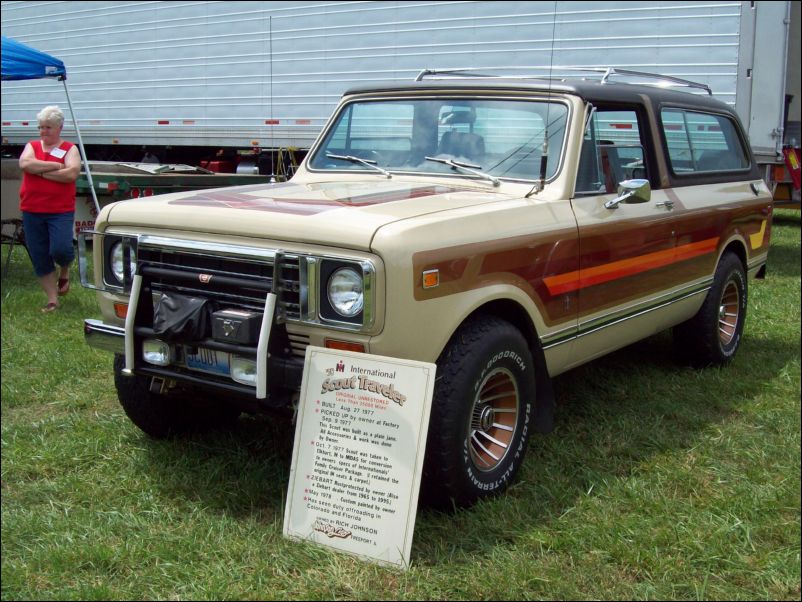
(227, 84)
(507, 230)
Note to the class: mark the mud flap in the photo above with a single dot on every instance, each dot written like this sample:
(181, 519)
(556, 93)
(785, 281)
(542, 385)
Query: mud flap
(544, 394)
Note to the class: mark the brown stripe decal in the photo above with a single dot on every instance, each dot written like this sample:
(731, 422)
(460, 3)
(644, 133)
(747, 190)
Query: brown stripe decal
(579, 279)
(309, 206)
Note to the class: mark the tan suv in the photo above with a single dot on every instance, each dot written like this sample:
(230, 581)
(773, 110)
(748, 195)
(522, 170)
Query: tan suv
(506, 229)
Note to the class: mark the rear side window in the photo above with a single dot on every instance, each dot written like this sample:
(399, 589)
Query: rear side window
(702, 142)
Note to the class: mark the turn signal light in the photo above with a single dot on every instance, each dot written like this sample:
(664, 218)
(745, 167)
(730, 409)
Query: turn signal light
(431, 278)
(121, 310)
(344, 345)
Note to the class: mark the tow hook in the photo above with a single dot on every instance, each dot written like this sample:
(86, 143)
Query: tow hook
(158, 386)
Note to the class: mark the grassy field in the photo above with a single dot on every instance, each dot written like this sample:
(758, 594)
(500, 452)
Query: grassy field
(659, 482)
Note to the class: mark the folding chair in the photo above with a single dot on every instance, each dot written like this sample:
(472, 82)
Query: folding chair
(12, 234)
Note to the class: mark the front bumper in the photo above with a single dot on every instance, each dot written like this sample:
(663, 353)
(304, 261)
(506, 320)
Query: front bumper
(283, 373)
(104, 336)
(262, 281)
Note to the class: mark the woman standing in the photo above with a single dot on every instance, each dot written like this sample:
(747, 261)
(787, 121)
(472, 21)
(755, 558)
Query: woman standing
(50, 168)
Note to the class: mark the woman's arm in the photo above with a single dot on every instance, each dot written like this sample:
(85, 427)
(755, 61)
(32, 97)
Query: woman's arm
(30, 164)
(70, 171)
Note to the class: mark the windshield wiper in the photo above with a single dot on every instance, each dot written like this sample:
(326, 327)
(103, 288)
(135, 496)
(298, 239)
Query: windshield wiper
(368, 162)
(466, 167)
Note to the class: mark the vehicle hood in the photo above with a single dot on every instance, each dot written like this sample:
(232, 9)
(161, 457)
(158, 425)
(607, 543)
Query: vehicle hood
(345, 213)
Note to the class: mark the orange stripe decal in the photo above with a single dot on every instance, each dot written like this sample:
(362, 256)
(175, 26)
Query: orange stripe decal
(579, 279)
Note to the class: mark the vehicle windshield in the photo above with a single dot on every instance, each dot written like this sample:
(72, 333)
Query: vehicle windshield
(497, 137)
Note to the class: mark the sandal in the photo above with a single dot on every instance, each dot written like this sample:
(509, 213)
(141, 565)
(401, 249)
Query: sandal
(49, 307)
(63, 286)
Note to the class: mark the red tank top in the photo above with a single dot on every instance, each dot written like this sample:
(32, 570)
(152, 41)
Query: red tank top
(39, 195)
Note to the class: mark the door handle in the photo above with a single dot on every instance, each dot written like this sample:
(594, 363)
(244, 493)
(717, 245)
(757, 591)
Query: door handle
(667, 204)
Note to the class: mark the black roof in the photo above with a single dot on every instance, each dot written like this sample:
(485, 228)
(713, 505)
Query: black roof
(589, 90)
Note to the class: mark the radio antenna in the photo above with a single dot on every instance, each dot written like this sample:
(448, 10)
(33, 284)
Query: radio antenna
(544, 157)
(272, 141)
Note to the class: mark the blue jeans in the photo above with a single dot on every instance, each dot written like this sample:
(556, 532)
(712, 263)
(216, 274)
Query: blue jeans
(48, 237)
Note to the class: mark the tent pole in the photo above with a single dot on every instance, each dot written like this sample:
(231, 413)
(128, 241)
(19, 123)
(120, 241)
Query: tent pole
(83, 150)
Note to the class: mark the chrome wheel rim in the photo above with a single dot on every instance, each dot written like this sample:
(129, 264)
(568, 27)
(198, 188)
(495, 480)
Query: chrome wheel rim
(728, 312)
(494, 419)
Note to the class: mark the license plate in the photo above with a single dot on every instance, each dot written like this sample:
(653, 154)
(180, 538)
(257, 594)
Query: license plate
(208, 360)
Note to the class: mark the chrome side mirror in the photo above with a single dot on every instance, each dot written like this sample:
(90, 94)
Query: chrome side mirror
(631, 191)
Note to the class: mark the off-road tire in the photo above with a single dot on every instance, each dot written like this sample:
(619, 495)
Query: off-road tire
(161, 416)
(485, 377)
(713, 335)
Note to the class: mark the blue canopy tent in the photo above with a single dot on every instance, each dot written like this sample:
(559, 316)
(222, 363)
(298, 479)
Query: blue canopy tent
(23, 62)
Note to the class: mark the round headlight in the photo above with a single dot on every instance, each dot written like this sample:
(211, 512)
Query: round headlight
(117, 261)
(346, 292)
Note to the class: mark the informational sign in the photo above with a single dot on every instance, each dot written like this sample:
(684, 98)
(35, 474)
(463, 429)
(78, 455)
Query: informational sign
(358, 453)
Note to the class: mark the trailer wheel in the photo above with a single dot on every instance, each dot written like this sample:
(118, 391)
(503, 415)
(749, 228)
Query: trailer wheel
(481, 412)
(161, 416)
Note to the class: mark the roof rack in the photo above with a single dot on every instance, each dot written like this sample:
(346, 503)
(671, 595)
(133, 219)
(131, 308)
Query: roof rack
(663, 78)
(608, 72)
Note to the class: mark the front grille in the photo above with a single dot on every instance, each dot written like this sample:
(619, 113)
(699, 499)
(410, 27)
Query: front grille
(298, 343)
(231, 281)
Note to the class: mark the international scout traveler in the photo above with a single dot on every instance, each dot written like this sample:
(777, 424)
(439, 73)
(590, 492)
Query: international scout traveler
(506, 229)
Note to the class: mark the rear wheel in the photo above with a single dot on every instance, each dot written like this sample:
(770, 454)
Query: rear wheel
(481, 413)
(713, 335)
(163, 415)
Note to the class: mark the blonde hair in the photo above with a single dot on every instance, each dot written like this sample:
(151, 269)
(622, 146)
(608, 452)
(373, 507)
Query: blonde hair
(52, 115)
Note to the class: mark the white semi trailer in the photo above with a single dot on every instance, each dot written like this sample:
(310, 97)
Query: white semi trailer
(192, 80)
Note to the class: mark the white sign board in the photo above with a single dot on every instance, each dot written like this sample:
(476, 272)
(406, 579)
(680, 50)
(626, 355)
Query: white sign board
(358, 453)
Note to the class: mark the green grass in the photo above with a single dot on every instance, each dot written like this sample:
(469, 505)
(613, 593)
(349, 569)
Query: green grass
(659, 482)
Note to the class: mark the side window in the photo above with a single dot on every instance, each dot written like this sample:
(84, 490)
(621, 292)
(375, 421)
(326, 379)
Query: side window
(611, 152)
(339, 138)
(701, 142)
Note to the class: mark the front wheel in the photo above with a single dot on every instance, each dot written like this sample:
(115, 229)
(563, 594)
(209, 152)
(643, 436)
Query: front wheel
(481, 414)
(713, 335)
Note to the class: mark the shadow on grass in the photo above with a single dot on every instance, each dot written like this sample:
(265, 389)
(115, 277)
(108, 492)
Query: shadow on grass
(612, 416)
(237, 472)
(783, 261)
(788, 218)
